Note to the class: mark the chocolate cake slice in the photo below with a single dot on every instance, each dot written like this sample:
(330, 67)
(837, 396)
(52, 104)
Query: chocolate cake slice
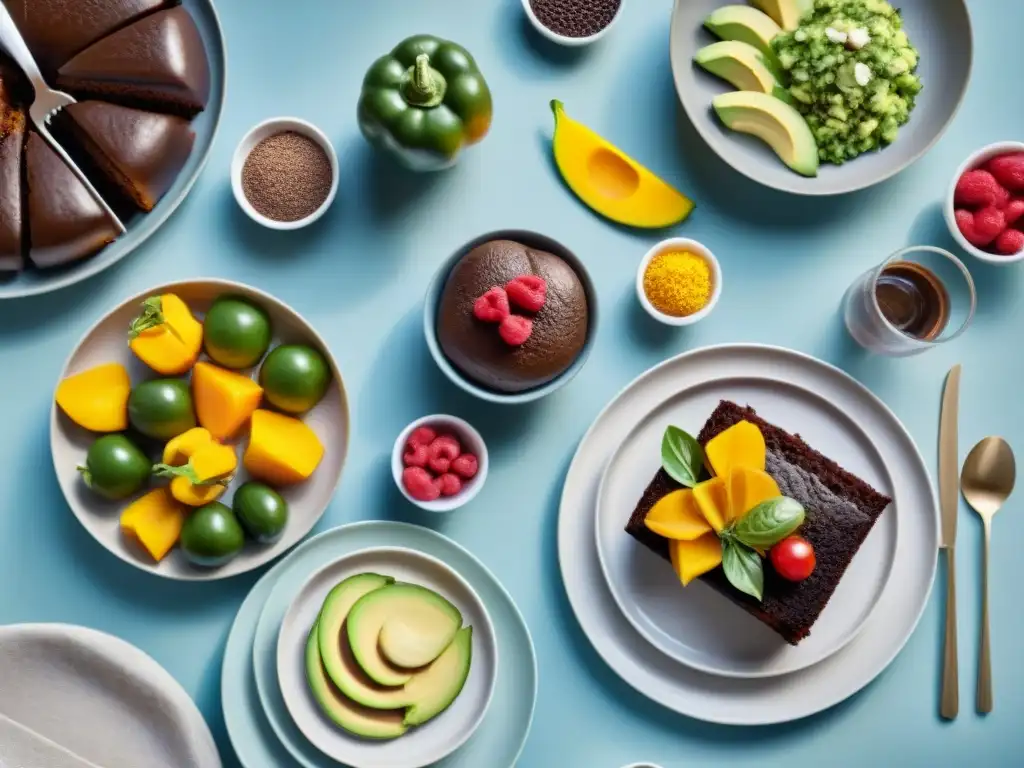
(12, 142)
(159, 63)
(841, 509)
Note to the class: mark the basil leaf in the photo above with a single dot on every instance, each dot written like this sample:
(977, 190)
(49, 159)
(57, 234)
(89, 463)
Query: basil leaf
(770, 522)
(681, 456)
(743, 568)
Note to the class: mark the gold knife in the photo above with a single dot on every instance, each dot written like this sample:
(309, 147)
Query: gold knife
(949, 501)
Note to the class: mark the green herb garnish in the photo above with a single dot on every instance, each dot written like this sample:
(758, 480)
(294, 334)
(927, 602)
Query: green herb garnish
(742, 567)
(681, 456)
(769, 522)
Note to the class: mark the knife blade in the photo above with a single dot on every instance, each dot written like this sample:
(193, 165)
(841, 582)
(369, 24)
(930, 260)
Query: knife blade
(949, 461)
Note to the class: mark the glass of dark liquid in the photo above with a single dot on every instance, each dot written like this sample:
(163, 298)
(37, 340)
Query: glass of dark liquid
(917, 298)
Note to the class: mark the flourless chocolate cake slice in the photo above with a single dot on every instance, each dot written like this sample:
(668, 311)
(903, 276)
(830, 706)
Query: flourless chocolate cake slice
(840, 512)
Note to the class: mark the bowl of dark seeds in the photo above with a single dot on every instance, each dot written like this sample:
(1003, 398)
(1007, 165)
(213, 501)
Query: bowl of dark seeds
(284, 173)
(573, 22)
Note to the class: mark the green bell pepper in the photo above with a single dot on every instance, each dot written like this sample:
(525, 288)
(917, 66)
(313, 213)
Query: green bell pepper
(424, 102)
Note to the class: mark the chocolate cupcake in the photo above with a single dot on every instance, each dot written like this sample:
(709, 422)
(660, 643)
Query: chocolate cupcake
(546, 333)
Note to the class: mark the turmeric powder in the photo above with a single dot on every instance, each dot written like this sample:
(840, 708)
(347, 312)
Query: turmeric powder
(678, 283)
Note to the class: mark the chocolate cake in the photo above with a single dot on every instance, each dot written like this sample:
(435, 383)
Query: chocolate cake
(474, 347)
(139, 154)
(55, 30)
(840, 510)
(158, 62)
(65, 223)
(12, 141)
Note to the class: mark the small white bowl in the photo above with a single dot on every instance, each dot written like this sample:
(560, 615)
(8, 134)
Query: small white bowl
(976, 160)
(471, 442)
(262, 131)
(570, 42)
(680, 244)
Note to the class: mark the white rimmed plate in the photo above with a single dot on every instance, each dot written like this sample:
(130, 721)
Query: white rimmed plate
(420, 746)
(106, 342)
(697, 626)
(761, 700)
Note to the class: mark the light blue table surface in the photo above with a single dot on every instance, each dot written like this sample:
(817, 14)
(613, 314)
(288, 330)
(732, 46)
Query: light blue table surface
(359, 275)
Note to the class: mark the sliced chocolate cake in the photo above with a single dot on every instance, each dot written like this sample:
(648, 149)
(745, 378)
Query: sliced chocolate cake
(840, 511)
(12, 141)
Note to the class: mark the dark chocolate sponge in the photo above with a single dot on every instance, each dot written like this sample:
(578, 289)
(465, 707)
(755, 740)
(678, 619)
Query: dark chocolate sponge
(12, 142)
(476, 348)
(841, 510)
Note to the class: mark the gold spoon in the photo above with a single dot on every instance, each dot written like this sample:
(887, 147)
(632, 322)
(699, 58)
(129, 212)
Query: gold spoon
(987, 481)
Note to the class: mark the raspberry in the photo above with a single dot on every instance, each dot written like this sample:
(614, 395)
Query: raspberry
(450, 484)
(988, 223)
(1002, 197)
(492, 307)
(976, 189)
(1010, 242)
(421, 436)
(443, 451)
(1013, 210)
(416, 456)
(528, 292)
(515, 330)
(465, 466)
(420, 485)
(1008, 170)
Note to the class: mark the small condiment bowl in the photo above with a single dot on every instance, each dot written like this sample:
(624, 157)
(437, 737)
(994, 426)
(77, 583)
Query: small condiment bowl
(566, 40)
(680, 244)
(471, 442)
(977, 160)
(264, 130)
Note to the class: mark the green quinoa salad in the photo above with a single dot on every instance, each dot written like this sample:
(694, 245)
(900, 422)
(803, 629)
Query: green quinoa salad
(851, 71)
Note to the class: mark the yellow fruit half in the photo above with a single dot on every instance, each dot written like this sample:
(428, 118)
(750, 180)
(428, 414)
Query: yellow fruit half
(713, 501)
(609, 181)
(747, 488)
(741, 445)
(678, 517)
(691, 559)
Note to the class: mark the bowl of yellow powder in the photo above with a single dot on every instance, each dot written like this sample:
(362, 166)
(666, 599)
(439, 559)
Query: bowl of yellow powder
(679, 281)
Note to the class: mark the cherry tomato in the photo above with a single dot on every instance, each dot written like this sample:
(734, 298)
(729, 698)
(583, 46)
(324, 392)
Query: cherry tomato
(793, 558)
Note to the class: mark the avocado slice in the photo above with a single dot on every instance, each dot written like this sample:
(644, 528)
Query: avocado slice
(434, 689)
(743, 66)
(747, 25)
(774, 122)
(354, 718)
(785, 13)
(399, 628)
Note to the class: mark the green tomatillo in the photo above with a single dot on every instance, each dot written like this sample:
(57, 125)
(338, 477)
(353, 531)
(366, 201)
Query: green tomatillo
(424, 102)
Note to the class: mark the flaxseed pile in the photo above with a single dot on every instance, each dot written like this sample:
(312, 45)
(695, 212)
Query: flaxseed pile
(287, 176)
(575, 18)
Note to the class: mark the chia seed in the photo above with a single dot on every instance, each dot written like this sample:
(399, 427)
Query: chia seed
(287, 176)
(575, 18)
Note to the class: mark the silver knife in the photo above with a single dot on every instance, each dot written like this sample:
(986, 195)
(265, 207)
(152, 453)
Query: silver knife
(949, 501)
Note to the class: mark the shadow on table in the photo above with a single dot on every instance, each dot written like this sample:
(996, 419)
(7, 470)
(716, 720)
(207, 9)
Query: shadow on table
(526, 49)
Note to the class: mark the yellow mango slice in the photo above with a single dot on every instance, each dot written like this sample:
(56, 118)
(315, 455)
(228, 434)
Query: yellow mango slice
(166, 336)
(180, 449)
(609, 181)
(691, 559)
(741, 445)
(97, 399)
(748, 487)
(224, 400)
(185, 491)
(282, 450)
(713, 501)
(677, 516)
(154, 521)
(204, 477)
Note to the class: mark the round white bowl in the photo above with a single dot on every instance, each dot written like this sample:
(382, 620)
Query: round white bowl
(470, 440)
(262, 131)
(680, 244)
(976, 160)
(570, 42)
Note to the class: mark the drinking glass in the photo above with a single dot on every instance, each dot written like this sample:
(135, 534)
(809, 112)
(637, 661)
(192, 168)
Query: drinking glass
(890, 314)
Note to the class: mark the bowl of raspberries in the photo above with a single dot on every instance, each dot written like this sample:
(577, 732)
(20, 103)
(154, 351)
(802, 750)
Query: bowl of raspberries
(985, 206)
(439, 463)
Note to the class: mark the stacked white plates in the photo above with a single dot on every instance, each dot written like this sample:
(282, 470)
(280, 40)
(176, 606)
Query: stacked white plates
(691, 649)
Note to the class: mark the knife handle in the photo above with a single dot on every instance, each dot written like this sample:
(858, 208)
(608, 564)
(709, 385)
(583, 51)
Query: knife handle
(950, 703)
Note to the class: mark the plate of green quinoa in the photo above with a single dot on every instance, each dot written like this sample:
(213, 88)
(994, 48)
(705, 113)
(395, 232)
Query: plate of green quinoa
(877, 85)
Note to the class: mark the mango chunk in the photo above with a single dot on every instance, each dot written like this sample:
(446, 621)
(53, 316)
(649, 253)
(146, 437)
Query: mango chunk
(179, 449)
(678, 517)
(741, 445)
(166, 336)
(282, 450)
(155, 522)
(97, 399)
(204, 477)
(713, 501)
(748, 487)
(692, 559)
(224, 400)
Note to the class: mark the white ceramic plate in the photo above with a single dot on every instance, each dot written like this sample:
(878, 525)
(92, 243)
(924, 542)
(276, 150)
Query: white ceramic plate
(421, 746)
(75, 690)
(696, 625)
(106, 342)
(761, 700)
